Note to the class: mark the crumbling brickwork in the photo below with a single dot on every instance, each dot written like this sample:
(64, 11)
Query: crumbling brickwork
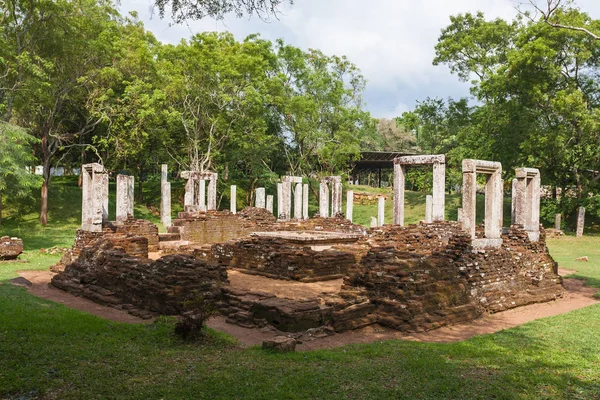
(10, 248)
(108, 275)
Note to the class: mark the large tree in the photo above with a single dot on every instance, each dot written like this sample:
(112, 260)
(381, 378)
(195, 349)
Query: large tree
(182, 10)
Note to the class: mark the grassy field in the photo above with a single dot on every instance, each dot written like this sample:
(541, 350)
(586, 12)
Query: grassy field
(49, 351)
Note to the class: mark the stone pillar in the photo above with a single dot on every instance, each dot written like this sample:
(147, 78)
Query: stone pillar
(438, 202)
(526, 199)
(94, 199)
(349, 204)
(233, 199)
(469, 197)
(279, 200)
(305, 201)
(373, 222)
(212, 192)
(381, 211)
(324, 199)
(260, 200)
(580, 221)
(493, 206)
(165, 197)
(201, 200)
(188, 198)
(459, 214)
(270, 203)
(336, 196)
(286, 212)
(557, 221)
(513, 207)
(124, 197)
(298, 201)
(428, 208)
(399, 182)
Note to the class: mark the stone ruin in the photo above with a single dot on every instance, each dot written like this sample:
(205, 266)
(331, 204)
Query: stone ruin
(10, 248)
(411, 278)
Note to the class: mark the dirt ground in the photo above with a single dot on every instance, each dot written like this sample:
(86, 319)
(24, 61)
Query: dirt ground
(577, 296)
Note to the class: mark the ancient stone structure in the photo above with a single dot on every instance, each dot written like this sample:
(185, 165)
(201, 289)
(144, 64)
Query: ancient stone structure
(526, 201)
(94, 197)
(260, 198)
(165, 197)
(233, 199)
(125, 187)
(349, 205)
(305, 201)
(284, 198)
(270, 203)
(580, 221)
(557, 221)
(105, 273)
(195, 198)
(10, 248)
(439, 182)
(493, 201)
(428, 209)
(336, 196)
(381, 211)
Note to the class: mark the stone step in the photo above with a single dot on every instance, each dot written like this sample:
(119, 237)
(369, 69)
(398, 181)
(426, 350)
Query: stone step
(174, 229)
(168, 237)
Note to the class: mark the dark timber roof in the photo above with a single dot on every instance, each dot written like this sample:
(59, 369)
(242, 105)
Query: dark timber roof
(377, 159)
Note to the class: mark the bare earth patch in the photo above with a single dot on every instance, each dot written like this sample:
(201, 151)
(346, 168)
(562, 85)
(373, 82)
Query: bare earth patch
(577, 296)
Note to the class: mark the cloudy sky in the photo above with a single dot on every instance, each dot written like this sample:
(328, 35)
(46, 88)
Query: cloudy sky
(391, 41)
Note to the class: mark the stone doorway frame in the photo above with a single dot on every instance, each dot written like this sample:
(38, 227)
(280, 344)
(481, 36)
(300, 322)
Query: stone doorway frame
(94, 199)
(526, 201)
(195, 198)
(438, 161)
(493, 201)
(336, 196)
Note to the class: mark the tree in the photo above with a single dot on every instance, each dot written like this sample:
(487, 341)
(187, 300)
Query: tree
(16, 180)
(394, 136)
(182, 10)
(552, 7)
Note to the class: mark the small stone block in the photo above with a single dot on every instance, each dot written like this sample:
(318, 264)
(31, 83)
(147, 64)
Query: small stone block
(281, 344)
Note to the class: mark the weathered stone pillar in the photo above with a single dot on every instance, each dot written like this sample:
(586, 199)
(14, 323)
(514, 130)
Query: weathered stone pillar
(373, 222)
(201, 200)
(399, 182)
(380, 211)
(270, 203)
(493, 206)
(438, 201)
(557, 221)
(469, 197)
(212, 192)
(324, 199)
(428, 208)
(349, 204)
(336, 195)
(94, 199)
(286, 213)
(514, 197)
(459, 214)
(526, 201)
(125, 185)
(305, 201)
(260, 200)
(233, 200)
(165, 196)
(279, 200)
(190, 188)
(580, 221)
(298, 201)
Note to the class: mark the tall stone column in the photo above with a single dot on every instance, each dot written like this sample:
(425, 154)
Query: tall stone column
(201, 201)
(287, 200)
(580, 221)
(469, 199)
(104, 188)
(438, 201)
(298, 201)
(513, 207)
(557, 221)
(165, 196)
(428, 208)
(260, 200)
(349, 204)
(233, 200)
(324, 199)
(94, 199)
(124, 197)
(305, 201)
(380, 211)
(493, 206)
(336, 196)
(279, 200)
(212, 192)
(270, 203)
(399, 182)
(190, 188)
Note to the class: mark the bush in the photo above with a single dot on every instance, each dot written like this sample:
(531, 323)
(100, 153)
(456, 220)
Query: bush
(193, 319)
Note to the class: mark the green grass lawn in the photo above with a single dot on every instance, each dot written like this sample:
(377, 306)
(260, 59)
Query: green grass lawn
(49, 351)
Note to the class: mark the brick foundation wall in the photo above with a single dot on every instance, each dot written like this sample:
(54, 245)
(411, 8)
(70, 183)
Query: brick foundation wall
(108, 275)
(10, 248)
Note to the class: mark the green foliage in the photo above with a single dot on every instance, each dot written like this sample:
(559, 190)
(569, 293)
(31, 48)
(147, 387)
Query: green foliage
(16, 149)
(196, 312)
(182, 10)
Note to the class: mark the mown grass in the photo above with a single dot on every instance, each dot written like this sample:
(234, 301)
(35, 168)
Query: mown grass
(50, 351)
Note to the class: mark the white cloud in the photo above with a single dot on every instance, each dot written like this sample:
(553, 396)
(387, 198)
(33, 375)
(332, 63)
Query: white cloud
(391, 41)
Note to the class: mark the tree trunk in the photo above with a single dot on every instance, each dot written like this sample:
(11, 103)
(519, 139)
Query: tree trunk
(0, 208)
(44, 209)
(46, 155)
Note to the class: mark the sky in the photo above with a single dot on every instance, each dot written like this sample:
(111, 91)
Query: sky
(392, 42)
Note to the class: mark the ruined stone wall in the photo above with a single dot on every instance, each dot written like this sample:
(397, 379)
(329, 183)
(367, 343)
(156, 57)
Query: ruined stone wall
(424, 276)
(106, 274)
(127, 235)
(280, 259)
(10, 248)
